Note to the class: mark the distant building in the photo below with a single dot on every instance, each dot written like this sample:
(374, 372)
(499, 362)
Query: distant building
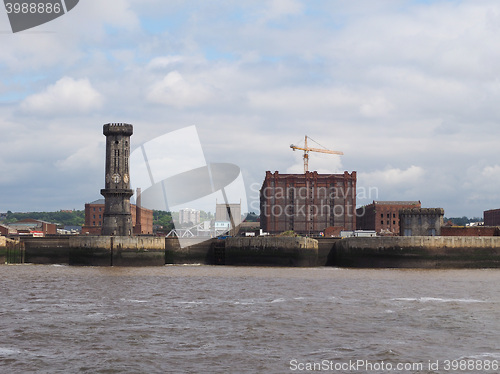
(187, 215)
(492, 217)
(33, 227)
(382, 216)
(142, 219)
(307, 203)
(222, 213)
(421, 221)
(6, 230)
(470, 231)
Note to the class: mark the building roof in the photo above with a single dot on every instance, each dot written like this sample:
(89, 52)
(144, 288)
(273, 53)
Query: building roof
(396, 202)
(98, 202)
(33, 220)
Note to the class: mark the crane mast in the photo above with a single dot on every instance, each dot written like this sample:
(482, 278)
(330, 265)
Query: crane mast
(307, 149)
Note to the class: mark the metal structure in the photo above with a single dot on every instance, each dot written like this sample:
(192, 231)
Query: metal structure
(198, 230)
(307, 149)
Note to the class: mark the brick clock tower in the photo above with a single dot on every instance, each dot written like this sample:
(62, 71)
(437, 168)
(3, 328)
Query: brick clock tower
(117, 220)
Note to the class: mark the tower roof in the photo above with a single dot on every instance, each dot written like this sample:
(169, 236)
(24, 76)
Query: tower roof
(118, 129)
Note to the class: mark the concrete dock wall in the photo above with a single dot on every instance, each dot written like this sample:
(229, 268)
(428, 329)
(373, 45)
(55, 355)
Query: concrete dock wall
(117, 251)
(418, 252)
(11, 251)
(271, 251)
(325, 250)
(96, 250)
(376, 252)
(47, 250)
(138, 251)
(196, 251)
(260, 251)
(90, 250)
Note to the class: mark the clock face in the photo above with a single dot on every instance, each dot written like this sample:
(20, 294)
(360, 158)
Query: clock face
(116, 178)
(125, 178)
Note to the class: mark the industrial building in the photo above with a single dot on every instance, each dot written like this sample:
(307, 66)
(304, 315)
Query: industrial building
(29, 226)
(421, 221)
(492, 217)
(383, 216)
(224, 213)
(307, 203)
(142, 219)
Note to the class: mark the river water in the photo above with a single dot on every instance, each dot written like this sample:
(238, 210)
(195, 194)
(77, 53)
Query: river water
(217, 319)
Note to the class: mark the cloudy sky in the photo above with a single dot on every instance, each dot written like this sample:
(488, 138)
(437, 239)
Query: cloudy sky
(409, 91)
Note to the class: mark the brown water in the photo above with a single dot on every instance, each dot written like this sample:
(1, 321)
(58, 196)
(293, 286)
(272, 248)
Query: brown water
(208, 319)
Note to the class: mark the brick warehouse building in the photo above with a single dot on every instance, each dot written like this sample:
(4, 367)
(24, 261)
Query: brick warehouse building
(307, 203)
(492, 217)
(383, 216)
(94, 213)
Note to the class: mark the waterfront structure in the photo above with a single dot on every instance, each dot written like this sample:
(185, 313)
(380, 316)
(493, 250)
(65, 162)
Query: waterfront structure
(33, 227)
(470, 231)
(189, 216)
(4, 230)
(307, 203)
(7, 229)
(142, 219)
(492, 217)
(117, 219)
(421, 221)
(382, 216)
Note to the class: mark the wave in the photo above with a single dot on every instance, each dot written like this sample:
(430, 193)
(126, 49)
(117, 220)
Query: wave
(437, 299)
(9, 351)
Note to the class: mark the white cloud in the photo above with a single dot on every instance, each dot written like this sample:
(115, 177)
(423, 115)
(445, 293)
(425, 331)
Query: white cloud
(89, 156)
(175, 90)
(392, 184)
(316, 101)
(388, 82)
(281, 8)
(395, 176)
(66, 96)
(163, 62)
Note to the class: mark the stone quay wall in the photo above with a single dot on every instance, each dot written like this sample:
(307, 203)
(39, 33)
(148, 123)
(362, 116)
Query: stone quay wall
(96, 250)
(11, 251)
(271, 251)
(417, 252)
(252, 251)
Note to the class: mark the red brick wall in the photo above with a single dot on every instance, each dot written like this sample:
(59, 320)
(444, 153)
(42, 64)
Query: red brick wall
(379, 216)
(142, 219)
(469, 231)
(92, 212)
(333, 231)
(4, 230)
(307, 203)
(492, 217)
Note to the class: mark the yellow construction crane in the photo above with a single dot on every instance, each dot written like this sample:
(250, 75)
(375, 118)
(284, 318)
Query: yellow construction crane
(307, 149)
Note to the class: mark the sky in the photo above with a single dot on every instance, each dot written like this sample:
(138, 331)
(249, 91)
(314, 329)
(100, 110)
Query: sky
(408, 90)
